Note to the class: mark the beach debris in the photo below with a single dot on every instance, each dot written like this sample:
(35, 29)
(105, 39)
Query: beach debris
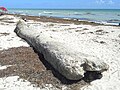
(101, 32)
(9, 19)
(85, 29)
(71, 63)
(4, 34)
(24, 19)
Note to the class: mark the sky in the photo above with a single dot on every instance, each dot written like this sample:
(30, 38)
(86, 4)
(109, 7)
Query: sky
(62, 4)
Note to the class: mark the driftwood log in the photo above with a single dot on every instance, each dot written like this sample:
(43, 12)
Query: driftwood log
(67, 60)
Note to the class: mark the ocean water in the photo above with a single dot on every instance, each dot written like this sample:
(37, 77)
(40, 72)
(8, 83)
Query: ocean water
(110, 16)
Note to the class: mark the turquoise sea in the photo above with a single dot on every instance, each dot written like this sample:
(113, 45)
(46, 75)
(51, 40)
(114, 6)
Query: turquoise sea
(96, 15)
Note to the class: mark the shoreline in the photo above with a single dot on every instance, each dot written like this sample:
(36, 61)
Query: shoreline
(75, 20)
(61, 20)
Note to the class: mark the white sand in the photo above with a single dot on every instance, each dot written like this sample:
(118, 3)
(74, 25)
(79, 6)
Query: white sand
(15, 83)
(10, 40)
(109, 51)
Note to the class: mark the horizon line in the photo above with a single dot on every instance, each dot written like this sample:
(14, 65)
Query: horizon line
(67, 8)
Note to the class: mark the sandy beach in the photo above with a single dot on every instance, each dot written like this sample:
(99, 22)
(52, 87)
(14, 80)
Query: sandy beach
(21, 67)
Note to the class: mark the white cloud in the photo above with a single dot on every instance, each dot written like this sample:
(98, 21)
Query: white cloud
(110, 2)
(105, 2)
(100, 1)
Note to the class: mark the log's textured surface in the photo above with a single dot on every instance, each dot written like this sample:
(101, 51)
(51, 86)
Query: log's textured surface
(63, 50)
